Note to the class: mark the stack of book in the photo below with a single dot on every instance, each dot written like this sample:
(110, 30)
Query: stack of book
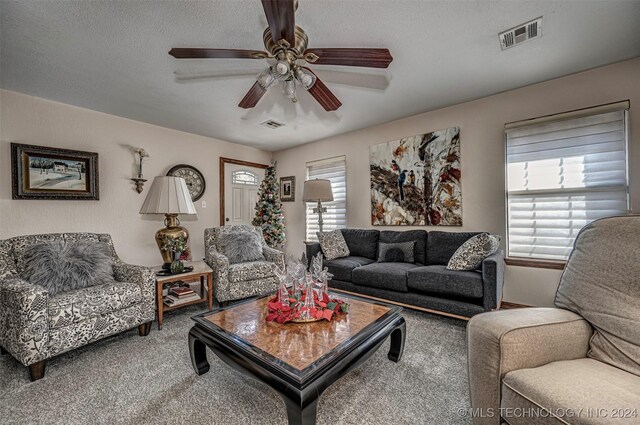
(182, 295)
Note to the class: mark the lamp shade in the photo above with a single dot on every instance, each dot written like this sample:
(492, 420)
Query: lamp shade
(168, 195)
(317, 190)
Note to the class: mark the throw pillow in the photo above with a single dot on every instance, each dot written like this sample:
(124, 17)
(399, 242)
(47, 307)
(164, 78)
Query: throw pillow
(61, 266)
(333, 244)
(471, 253)
(399, 252)
(241, 247)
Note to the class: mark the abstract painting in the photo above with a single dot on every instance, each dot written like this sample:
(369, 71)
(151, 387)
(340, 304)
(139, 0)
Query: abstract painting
(415, 181)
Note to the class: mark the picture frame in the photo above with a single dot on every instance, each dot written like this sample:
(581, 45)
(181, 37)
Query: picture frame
(288, 189)
(42, 172)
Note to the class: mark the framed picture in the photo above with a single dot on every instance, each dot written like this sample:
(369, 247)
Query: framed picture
(40, 172)
(288, 189)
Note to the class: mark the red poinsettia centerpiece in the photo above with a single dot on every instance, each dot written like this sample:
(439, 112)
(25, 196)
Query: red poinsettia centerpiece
(325, 308)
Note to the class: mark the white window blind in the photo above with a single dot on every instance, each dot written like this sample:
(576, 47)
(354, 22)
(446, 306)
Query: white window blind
(334, 170)
(562, 173)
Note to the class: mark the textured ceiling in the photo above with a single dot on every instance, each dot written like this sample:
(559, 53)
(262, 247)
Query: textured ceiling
(111, 56)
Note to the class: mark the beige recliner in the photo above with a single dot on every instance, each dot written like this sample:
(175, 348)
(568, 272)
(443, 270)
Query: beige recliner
(576, 364)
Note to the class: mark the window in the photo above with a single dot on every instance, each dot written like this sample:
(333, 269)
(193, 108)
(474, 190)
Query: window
(244, 177)
(563, 172)
(335, 170)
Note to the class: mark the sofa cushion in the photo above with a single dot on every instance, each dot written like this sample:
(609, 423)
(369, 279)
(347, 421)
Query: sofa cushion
(398, 252)
(75, 306)
(251, 270)
(471, 253)
(585, 384)
(390, 276)
(342, 268)
(442, 245)
(362, 242)
(333, 244)
(439, 280)
(61, 266)
(22, 243)
(419, 236)
(240, 247)
(600, 283)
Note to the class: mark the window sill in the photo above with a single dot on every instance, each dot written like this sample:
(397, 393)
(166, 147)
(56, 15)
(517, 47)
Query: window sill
(535, 263)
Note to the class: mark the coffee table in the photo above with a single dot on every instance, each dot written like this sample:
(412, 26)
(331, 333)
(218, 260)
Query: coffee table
(299, 360)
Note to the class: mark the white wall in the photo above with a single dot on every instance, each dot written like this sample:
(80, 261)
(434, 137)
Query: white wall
(481, 125)
(31, 120)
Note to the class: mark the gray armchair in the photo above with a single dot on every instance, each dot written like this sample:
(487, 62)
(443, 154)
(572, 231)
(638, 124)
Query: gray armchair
(579, 361)
(35, 326)
(241, 280)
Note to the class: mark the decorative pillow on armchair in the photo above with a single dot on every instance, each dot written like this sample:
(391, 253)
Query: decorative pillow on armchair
(399, 252)
(333, 244)
(65, 266)
(241, 247)
(471, 253)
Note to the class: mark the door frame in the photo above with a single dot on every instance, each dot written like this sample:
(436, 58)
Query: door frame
(224, 161)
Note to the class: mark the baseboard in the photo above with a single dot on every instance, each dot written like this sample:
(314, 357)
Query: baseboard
(412, 307)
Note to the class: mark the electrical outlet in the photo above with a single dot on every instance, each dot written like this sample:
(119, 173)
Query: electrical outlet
(204, 204)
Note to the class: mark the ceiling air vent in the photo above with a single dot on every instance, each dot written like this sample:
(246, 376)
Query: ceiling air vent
(521, 33)
(272, 124)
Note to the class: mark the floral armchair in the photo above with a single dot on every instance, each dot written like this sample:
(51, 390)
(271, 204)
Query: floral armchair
(241, 280)
(35, 326)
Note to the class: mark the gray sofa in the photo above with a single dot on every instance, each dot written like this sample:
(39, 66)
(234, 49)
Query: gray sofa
(425, 284)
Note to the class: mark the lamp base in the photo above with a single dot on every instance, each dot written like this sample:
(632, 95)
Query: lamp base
(172, 231)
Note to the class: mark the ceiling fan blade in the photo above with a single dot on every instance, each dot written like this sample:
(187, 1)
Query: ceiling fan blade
(371, 58)
(252, 97)
(354, 79)
(198, 53)
(323, 95)
(281, 17)
(187, 77)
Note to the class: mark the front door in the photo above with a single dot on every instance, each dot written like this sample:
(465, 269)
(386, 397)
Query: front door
(241, 185)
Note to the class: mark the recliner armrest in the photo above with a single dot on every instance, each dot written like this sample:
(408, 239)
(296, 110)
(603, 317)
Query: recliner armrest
(492, 279)
(501, 341)
(24, 320)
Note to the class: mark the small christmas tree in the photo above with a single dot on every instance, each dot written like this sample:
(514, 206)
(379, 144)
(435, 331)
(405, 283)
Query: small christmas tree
(269, 209)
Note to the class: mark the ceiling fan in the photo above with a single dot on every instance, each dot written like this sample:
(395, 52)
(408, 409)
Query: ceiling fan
(286, 43)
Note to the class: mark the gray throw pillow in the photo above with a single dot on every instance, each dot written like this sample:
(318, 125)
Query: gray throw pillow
(241, 247)
(333, 244)
(61, 266)
(399, 252)
(471, 253)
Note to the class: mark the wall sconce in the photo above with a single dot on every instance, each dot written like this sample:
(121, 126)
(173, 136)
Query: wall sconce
(139, 180)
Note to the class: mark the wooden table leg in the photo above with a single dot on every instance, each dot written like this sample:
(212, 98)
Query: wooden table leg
(160, 303)
(198, 352)
(210, 290)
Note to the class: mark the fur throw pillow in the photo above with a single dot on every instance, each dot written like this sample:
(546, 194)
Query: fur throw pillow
(66, 266)
(398, 252)
(241, 247)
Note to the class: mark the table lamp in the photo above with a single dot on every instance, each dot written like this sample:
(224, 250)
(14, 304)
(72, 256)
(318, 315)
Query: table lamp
(318, 190)
(169, 196)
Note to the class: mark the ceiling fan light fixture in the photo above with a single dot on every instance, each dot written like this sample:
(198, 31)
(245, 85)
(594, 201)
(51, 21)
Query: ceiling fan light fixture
(289, 88)
(305, 78)
(282, 68)
(266, 78)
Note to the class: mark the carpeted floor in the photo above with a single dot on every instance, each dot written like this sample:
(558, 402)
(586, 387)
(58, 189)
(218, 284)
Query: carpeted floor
(127, 379)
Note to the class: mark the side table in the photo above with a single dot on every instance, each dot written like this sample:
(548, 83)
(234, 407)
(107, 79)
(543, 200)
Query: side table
(201, 272)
